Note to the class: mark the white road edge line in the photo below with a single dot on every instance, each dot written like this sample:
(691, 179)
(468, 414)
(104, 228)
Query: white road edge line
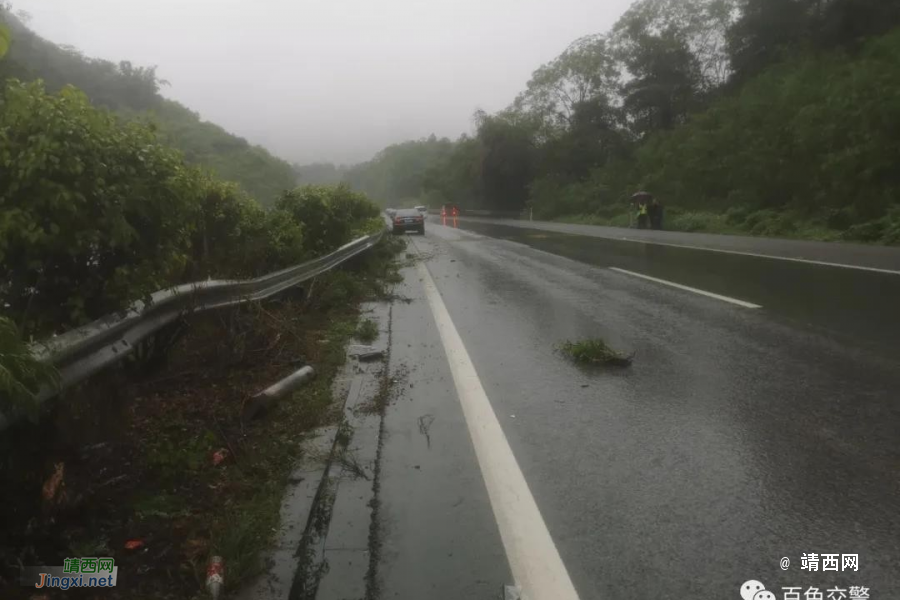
(535, 562)
(687, 288)
(808, 261)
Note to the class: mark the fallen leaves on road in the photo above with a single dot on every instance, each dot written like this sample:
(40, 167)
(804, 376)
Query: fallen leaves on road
(595, 352)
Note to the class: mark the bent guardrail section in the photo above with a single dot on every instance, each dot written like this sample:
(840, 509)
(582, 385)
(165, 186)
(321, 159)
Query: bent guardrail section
(81, 352)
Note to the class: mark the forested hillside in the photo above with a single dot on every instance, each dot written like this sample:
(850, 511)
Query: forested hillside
(319, 174)
(99, 208)
(774, 117)
(398, 174)
(133, 91)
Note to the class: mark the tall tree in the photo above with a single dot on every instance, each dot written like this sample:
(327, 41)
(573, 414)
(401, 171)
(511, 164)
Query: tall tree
(457, 178)
(595, 136)
(700, 25)
(507, 165)
(764, 29)
(848, 22)
(585, 71)
(665, 82)
(396, 174)
(768, 29)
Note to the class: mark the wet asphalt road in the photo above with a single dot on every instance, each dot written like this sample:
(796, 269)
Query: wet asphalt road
(738, 436)
(437, 534)
(862, 255)
(857, 307)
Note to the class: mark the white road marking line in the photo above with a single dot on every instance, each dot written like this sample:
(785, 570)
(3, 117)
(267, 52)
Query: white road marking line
(808, 261)
(688, 289)
(535, 562)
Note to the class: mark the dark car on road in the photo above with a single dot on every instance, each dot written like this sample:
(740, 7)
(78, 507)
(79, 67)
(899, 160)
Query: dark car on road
(408, 219)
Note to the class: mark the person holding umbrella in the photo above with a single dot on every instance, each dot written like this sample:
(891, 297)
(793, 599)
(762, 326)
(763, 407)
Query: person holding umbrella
(642, 200)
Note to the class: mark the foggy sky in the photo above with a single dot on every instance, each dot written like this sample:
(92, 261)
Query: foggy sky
(320, 80)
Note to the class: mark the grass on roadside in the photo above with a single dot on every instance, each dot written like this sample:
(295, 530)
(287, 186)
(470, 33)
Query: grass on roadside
(594, 352)
(138, 460)
(616, 220)
(258, 513)
(241, 533)
(367, 331)
(21, 374)
(741, 220)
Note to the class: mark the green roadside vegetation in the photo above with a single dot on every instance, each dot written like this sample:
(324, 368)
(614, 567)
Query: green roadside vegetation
(761, 117)
(228, 156)
(161, 454)
(98, 212)
(741, 221)
(152, 462)
(109, 192)
(133, 92)
(594, 352)
(367, 331)
(21, 374)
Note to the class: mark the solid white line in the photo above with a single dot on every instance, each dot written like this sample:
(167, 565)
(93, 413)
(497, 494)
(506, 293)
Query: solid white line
(688, 289)
(535, 562)
(808, 261)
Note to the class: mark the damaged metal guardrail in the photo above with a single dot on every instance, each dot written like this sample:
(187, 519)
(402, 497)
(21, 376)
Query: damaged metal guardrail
(80, 353)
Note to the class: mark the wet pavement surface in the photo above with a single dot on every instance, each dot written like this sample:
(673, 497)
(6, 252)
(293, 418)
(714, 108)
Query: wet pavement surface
(860, 255)
(738, 436)
(436, 534)
(857, 304)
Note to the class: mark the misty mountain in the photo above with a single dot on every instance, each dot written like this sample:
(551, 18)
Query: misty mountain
(768, 117)
(134, 92)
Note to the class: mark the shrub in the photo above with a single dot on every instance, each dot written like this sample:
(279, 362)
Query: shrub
(885, 230)
(351, 206)
(813, 135)
(737, 215)
(21, 375)
(695, 222)
(95, 212)
(553, 196)
(329, 214)
(367, 331)
(237, 238)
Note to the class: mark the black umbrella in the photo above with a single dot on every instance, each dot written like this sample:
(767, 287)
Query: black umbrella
(640, 195)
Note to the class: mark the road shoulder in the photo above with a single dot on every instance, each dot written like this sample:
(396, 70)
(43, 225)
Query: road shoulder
(435, 535)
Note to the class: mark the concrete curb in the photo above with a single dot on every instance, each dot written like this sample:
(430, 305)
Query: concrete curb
(300, 557)
(340, 549)
(301, 496)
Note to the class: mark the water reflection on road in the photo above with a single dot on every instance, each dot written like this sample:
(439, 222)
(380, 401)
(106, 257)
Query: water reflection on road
(450, 221)
(857, 304)
(738, 436)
